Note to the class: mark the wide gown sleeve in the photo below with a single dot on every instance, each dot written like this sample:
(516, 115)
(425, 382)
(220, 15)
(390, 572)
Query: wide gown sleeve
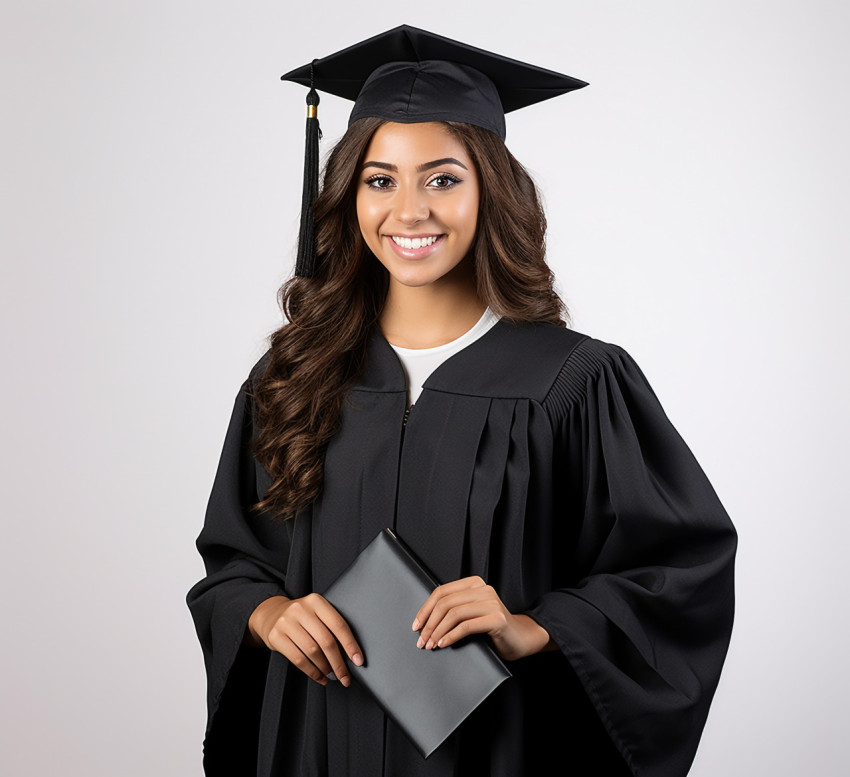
(644, 601)
(245, 559)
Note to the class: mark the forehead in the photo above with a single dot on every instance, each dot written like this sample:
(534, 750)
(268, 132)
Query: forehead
(416, 142)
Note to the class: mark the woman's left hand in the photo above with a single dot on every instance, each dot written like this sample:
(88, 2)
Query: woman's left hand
(469, 606)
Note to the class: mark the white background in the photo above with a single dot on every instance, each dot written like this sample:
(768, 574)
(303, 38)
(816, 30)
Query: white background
(151, 179)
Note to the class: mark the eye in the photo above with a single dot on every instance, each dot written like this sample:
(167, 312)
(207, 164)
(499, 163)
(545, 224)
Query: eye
(448, 181)
(373, 182)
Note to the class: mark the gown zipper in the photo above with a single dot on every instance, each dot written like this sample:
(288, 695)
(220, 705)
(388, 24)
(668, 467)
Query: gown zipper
(395, 514)
(398, 471)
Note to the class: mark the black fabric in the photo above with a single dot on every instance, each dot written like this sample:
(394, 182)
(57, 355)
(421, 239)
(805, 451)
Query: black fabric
(408, 74)
(540, 459)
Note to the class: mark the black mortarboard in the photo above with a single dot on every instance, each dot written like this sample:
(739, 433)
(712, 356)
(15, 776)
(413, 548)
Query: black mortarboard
(411, 75)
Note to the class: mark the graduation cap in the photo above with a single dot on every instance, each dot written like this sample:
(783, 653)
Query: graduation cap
(411, 75)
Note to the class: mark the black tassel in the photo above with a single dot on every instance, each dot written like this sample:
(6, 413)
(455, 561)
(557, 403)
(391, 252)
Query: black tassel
(305, 263)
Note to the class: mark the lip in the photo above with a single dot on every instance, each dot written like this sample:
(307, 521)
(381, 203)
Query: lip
(412, 237)
(415, 253)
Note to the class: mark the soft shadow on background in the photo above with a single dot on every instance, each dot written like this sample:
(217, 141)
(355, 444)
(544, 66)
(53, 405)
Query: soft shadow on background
(697, 198)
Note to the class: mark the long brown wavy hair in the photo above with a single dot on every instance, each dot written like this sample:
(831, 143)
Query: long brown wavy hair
(316, 357)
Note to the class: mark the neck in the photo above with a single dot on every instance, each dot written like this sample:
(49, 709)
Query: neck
(433, 314)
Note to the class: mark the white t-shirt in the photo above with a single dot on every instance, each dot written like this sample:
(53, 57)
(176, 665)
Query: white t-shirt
(419, 363)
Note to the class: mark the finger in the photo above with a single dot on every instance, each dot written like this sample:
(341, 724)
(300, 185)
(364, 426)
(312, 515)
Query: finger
(303, 635)
(448, 603)
(299, 624)
(435, 615)
(446, 589)
(284, 645)
(341, 630)
(456, 616)
(483, 625)
(325, 649)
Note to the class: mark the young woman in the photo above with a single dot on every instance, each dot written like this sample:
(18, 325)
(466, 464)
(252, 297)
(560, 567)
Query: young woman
(426, 381)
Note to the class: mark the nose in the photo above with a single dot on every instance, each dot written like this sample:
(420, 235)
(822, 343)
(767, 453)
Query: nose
(411, 205)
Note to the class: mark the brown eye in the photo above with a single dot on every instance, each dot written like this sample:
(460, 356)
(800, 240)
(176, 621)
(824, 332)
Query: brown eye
(448, 181)
(373, 181)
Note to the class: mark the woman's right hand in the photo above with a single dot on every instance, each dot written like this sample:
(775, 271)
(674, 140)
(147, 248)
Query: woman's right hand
(306, 631)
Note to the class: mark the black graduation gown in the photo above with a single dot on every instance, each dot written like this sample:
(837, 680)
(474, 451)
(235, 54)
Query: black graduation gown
(540, 459)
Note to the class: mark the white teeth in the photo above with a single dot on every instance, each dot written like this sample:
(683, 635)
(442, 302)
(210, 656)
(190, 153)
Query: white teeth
(406, 242)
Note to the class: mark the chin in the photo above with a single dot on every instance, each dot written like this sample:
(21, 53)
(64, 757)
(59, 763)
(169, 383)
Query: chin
(415, 279)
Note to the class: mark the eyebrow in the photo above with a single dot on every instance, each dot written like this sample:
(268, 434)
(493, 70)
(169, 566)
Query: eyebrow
(421, 168)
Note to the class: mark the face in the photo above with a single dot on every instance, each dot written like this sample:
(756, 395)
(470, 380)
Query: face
(417, 203)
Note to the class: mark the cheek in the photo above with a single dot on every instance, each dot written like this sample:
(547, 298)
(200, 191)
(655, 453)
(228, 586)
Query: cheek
(364, 221)
(368, 216)
(466, 215)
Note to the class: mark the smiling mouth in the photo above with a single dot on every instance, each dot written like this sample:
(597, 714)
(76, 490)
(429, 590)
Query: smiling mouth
(415, 248)
(413, 243)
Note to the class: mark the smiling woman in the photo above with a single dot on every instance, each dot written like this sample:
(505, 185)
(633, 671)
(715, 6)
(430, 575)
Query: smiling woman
(432, 202)
(426, 380)
(440, 206)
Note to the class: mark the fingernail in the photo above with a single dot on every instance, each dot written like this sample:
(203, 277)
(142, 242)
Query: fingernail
(346, 681)
(415, 624)
(358, 659)
(419, 642)
(430, 644)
